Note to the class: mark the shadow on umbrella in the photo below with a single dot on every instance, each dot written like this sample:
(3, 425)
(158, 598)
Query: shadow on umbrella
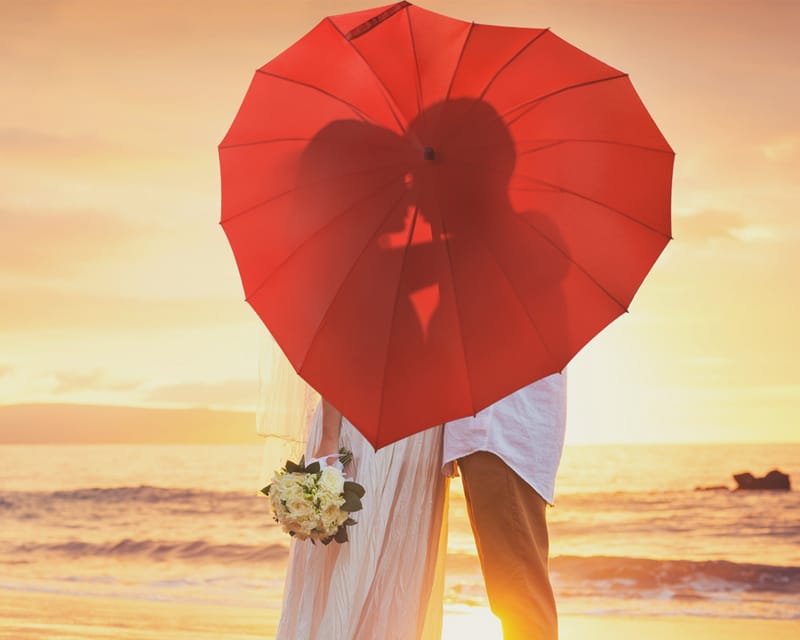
(422, 226)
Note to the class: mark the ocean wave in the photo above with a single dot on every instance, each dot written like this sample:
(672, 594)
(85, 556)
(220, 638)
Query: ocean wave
(608, 585)
(670, 579)
(572, 575)
(146, 493)
(653, 498)
(156, 550)
(73, 500)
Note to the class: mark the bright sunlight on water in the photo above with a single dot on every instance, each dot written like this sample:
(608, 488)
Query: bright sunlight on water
(471, 622)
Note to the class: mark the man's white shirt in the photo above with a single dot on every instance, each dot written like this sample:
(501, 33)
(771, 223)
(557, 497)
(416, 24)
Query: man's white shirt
(524, 429)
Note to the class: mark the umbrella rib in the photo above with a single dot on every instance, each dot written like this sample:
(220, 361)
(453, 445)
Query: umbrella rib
(394, 310)
(308, 85)
(338, 176)
(592, 200)
(615, 143)
(458, 62)
(518, 297)
(510, 61)
(577, 265)
(446, 237)
(561, 189)
(534, 190)
(450, 134)
(387, 95)
(336, 217)
(531, 104)
(548, 144)
(344, 279)
(257, 142)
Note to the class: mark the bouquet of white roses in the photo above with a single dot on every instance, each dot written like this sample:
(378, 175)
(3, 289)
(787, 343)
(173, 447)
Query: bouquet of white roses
(314, 502)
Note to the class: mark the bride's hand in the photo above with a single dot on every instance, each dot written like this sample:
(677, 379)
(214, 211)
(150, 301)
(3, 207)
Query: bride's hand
(331, 424)
(327, 447)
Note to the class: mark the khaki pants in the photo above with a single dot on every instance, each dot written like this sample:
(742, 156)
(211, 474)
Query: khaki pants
(508, 522)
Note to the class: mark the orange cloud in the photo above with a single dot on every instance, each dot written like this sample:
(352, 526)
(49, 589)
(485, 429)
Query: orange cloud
(25, 140)
(228, 393)
(40, 308)
(63, 243)
(783, 149)
(71, 381)
(62, 423)
(708, 225)
(712, 224)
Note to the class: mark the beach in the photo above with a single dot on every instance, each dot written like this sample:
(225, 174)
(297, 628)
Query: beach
(45, 616)
(169, 542)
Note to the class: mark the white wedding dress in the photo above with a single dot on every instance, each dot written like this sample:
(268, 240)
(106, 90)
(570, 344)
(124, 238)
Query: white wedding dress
(386, 583)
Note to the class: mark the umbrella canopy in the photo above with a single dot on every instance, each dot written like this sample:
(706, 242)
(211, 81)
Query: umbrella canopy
(429, 214)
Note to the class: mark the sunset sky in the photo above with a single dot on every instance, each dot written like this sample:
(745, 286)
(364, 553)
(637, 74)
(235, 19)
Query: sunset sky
(118, 286)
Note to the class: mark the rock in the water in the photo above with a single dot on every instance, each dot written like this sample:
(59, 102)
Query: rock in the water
(713, 487)
(774, 481)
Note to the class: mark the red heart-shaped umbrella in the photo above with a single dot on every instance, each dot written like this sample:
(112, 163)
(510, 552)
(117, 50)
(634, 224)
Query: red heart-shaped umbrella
(429, 214)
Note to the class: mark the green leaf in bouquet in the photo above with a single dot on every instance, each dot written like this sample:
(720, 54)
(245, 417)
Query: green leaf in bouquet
(341, 535)
(349, 522)
(292, 467)
(345, 456)
(354, 487)
(327, 541)
(265, 490)
(351, 503)
(313, 468)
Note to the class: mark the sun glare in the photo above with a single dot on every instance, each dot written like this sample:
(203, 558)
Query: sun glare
(471, 622)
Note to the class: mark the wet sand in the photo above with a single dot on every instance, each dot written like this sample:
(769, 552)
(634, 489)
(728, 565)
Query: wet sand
(46, 616)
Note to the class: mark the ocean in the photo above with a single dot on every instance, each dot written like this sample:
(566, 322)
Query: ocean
(630, 534)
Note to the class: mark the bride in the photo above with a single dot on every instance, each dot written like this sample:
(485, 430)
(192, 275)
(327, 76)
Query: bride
(387, 581)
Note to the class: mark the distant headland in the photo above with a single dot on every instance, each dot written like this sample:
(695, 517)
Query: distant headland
(111, 424)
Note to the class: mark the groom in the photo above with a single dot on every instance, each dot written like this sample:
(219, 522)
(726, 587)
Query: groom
(508, 455)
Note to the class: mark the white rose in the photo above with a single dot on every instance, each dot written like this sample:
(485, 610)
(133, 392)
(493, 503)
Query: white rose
(332, 480)
(327, 498)
(330, 529)
(298, 525)
(278, 509)
(291, 480)
(331, 512)
(300, 507)
(300, 535)
(293, 493)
